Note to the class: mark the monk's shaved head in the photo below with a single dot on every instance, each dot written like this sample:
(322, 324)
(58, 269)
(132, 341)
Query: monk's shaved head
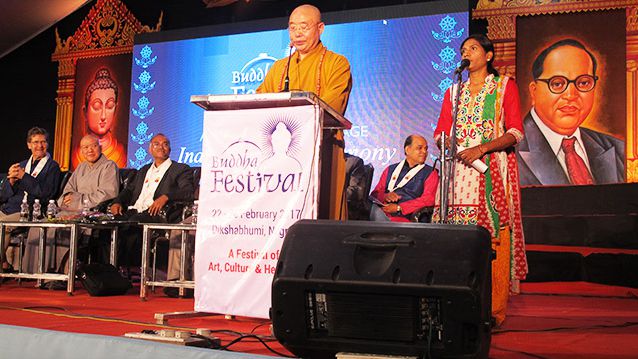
(308, 10)
(305, 29)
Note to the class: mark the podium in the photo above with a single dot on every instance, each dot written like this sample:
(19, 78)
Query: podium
(327, 118)
(266, 163)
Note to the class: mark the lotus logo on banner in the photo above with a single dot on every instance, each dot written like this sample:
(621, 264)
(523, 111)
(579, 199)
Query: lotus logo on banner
(246, 80)
(247, 167)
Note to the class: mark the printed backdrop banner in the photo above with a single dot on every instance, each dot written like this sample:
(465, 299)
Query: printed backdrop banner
(259, 176)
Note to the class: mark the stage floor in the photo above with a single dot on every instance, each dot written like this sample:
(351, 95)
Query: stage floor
(548, 320)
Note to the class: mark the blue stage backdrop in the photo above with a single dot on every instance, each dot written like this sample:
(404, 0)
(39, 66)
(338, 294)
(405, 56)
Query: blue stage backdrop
(402, 60)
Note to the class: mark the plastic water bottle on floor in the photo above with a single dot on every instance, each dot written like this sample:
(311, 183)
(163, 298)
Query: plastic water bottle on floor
(195, 209)
(37, 211)
(24, 209)
(52, 210)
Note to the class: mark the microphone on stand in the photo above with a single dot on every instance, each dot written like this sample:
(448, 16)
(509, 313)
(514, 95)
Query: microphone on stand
(287, 79)
(464, 64)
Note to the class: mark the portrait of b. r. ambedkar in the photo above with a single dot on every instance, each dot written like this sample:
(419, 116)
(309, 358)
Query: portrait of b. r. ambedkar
(556, 149)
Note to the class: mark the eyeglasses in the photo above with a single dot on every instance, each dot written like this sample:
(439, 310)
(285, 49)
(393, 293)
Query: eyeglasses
(160, 144)
(558, 84)
(303, 27)
(91, 146)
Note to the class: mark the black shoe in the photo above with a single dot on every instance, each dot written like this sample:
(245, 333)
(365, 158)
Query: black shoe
(54, 285)
(9, 269)
(173, 292)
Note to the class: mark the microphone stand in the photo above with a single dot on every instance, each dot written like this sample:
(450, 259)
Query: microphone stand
(287, 79)
(448, 157)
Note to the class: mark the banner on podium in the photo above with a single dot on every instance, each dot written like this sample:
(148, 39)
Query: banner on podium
(259, 176)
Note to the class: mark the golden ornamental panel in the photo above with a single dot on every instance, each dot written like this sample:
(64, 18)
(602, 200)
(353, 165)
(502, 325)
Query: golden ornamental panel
(109, 29)
(632, 170)
(488, 8)
(501, 27)
(632, 19)
(109, 24)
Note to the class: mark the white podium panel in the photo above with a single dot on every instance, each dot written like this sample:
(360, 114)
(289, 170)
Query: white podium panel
(260, 174)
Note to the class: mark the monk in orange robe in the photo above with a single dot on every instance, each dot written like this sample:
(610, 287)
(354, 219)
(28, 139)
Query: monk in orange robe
(314, 68)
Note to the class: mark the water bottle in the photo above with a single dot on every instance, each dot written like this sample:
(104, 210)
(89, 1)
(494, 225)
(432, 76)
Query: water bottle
(37, 211)
(52, 210)
(86, 210)
(24, 210)
(195, 208)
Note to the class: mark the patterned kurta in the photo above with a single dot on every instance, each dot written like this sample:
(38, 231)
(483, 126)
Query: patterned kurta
(491, 200)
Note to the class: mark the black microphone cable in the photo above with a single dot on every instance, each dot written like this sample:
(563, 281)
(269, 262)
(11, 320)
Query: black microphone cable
(287, 79)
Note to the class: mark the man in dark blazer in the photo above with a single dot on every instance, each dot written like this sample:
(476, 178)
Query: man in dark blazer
(556, 150)
(155, 187)
(38, 177)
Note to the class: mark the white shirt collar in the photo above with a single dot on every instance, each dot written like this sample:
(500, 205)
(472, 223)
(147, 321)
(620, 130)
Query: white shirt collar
(165, 165)
(555, 140)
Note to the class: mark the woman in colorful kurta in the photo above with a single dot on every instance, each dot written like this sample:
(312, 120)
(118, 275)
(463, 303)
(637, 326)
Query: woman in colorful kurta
(489, 124)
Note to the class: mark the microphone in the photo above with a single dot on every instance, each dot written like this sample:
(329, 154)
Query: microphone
(287, 79)
(464, 64)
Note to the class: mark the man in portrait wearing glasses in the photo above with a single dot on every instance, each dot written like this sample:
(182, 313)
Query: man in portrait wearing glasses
(37, 177)
(155, 186)
(556, 149)
(313, 68)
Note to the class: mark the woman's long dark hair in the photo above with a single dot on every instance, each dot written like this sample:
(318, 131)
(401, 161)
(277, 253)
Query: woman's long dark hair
(487, 46)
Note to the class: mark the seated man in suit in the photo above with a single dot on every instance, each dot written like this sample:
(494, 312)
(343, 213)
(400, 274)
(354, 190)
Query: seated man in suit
(406, 186)
(95, 180)
(36, 177)
(556, 150)
(156, 185)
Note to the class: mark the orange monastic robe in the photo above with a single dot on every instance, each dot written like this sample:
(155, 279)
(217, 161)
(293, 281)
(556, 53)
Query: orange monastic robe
(327, 74)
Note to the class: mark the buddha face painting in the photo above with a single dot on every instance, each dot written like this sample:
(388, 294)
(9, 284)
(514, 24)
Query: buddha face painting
(100, 114)
(100, 104)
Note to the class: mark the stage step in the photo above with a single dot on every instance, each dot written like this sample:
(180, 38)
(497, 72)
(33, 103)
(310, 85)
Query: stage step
(582, 233)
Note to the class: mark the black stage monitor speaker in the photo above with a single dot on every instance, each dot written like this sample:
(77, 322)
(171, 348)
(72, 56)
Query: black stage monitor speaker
(383, 288)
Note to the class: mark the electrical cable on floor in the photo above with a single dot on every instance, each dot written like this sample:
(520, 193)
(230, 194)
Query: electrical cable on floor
(34, 309)
(84, 316)
(263, 339)
(258, 326)
(252, 336)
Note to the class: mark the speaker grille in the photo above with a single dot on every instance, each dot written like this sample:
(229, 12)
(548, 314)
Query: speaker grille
(366, 316)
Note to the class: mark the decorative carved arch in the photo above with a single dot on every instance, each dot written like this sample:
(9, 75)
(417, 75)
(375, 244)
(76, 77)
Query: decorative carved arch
(107, 30)
(501, 18)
